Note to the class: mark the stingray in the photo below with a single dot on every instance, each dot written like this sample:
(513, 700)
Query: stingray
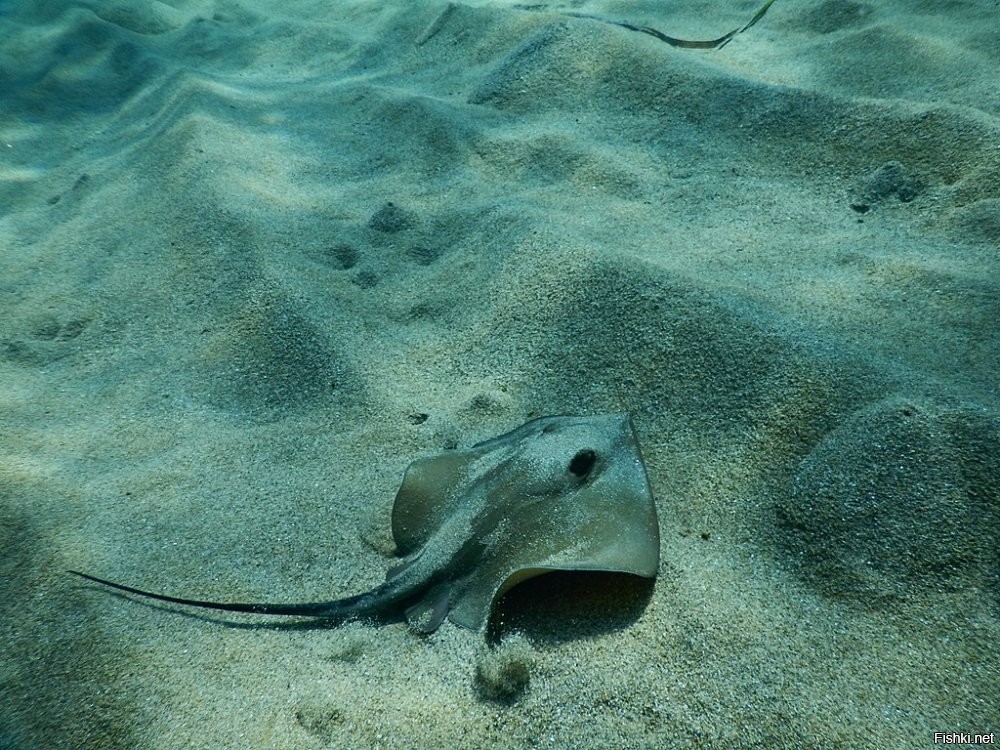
(558, 493)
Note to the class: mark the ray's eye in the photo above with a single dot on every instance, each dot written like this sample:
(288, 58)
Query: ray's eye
(582, 463)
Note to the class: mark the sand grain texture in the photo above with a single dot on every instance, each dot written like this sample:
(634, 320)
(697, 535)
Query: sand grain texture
(255, 258)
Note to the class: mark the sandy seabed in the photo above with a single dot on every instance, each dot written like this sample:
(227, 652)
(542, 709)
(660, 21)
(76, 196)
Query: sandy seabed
(256, 257)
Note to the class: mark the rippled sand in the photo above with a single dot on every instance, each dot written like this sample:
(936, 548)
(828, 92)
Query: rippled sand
(257, 257)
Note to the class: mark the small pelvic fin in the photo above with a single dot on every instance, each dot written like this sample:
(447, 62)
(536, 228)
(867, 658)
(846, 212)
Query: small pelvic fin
(427, 614)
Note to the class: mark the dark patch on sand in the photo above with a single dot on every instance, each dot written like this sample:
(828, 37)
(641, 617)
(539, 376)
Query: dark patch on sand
(267, 357)
(64, 684)
(898, 499)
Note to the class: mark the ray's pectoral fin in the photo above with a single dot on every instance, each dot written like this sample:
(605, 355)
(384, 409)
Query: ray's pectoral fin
(557, 493)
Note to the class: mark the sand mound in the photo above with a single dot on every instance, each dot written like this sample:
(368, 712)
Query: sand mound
(900, 496)
(258, 257)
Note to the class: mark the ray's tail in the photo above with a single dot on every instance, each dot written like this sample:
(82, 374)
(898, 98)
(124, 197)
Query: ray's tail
(367, 604)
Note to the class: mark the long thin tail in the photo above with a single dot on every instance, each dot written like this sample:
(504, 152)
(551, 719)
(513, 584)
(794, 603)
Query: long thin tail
(337, 609)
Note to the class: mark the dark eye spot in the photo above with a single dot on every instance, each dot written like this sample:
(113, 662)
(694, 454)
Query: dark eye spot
(582, 463)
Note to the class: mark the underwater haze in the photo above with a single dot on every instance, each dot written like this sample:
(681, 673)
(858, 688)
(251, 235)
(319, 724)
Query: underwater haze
(258, 257)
